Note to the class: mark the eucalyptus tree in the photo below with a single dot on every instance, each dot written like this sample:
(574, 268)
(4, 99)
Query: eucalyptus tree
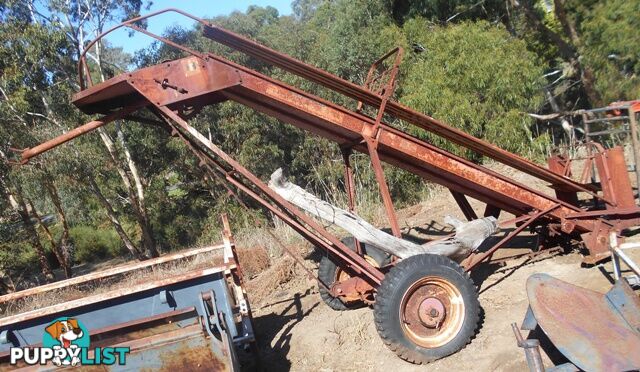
(33, 60)
(82, 21)
(606, 33)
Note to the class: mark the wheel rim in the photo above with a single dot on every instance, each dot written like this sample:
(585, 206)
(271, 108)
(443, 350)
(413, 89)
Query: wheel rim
(431, 312)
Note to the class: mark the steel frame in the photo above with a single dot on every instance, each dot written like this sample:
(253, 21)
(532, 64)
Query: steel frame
(175, 90)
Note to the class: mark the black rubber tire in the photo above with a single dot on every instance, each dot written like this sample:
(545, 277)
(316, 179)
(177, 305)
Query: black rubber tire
(389, 297)
(327, 273)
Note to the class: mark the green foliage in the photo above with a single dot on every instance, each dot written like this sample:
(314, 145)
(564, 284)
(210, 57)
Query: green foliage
(476, 77)
(611, 46)
(17, 258)
(446, 10)
(96, 244)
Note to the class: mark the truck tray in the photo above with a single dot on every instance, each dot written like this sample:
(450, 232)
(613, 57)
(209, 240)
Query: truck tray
(194, 320)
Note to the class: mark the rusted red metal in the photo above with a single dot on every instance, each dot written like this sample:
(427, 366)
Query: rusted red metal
(195, 355)
(74, 133)
(562, 165)
(350, 188)
(375, 81)
(464, 205)
(371, 135)
(617, 187)
(349, 183)
(595, 338)
(372, 148)
(345, 127)
(431, 312)
(353, 289)
(473, 261)
(402, 112)
(531, 256)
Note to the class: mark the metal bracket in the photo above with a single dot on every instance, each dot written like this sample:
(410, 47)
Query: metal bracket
(529, 323)
(212, 317)
(166, 297)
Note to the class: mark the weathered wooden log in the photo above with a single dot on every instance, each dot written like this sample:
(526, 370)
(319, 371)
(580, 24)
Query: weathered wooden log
(467, 238)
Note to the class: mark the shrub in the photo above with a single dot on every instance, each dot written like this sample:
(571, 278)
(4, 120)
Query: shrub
(475, 77)
(93, 244)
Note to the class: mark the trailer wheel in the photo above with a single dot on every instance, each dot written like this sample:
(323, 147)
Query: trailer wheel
(426, 308)
(329, 273)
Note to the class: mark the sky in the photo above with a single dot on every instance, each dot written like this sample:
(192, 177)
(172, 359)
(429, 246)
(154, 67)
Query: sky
(199, 8)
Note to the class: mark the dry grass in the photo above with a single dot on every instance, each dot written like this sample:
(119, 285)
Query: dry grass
(259, 251)
(141, 276)
(264, 237)
(280, 272)
(253, 260)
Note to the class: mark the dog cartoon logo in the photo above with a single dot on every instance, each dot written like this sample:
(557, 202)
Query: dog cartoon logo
(67, 334)
(65, 342)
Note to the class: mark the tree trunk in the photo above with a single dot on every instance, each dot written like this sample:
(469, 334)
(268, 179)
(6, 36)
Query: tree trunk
(567, 25)
(54, 246)
(586, 77)
(114, 220)
(6, 284)
(140, 209)
(66, 245)
(467, 238)
(33, 235)
(137, 204)
(568, 51)
(131, 178)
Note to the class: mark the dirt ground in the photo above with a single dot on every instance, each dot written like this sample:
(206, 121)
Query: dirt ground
(298, 332)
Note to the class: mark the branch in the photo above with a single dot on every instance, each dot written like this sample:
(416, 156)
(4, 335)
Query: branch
(467, 238)
(15, 111)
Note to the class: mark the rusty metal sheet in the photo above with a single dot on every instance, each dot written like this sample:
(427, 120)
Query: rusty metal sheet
(180, 350)
(584, 325)
(183, 80)
(621, 185)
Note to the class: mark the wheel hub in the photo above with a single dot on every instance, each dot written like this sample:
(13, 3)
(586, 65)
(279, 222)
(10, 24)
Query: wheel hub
(342, 276)
(431, 312)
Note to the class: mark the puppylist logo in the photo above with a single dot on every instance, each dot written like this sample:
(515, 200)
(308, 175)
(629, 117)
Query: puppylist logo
(65, 342)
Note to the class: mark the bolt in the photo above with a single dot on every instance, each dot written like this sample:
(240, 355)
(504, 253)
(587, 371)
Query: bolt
(433, 313)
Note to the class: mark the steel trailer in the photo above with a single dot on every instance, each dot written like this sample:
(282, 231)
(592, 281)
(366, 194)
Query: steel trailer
(425, 307)
(198, 319)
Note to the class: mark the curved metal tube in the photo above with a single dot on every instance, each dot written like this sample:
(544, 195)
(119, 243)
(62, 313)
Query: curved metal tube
(82, 62)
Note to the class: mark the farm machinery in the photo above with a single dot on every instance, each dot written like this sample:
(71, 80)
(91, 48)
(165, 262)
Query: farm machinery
(425, 306)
